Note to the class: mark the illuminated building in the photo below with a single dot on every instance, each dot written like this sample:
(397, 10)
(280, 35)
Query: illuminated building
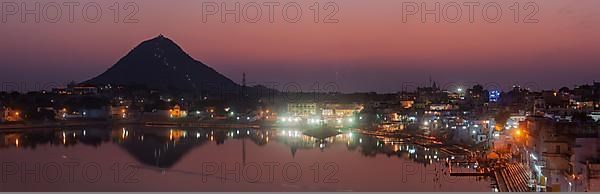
(119, 112)
(10, 115)
(595, 115)
(407, 103)
(176, 112)
(302, 109)
(494, 96)
(341, 110)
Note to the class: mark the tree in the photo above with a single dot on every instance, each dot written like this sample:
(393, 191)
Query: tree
(502, 117)
(581, 117)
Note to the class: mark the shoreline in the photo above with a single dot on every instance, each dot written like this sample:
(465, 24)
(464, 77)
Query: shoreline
(157, 124)
(51, 125)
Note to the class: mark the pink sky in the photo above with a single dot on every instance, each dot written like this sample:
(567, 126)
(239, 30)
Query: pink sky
(370, 49)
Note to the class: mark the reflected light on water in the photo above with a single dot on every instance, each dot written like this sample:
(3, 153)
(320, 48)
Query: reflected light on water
(155, 148)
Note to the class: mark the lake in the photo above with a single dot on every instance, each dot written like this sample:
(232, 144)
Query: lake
(138, 158)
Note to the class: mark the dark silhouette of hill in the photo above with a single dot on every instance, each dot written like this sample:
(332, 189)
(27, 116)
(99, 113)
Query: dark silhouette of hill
(160, 63)
(153, 152)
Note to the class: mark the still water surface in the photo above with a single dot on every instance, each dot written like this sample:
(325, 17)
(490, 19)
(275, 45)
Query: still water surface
(159, 159)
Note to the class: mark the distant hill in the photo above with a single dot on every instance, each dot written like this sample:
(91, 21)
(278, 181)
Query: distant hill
(161, 64)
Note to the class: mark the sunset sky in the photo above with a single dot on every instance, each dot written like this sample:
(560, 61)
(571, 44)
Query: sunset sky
(369, 49)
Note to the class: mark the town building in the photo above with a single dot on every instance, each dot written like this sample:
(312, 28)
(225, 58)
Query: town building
(12, 115)
(177, 112)
(77, 89)
(340, 110)
(303, 110)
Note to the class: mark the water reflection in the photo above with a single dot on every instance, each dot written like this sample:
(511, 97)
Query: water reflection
(175, 155)
(163, 148)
